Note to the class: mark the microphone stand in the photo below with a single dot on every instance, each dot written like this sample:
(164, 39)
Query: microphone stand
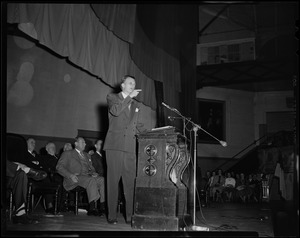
(183, 127)
(196, 127)
(183, 121)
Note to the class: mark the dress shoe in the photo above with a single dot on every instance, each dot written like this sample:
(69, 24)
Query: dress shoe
(24, 219)
(92, 213)
(101, 214)
(64, 209)
(102, 207)
(112, 221)
(102, 211)
(71, 208)
(50, 210)
(36, 174)
(128, 221)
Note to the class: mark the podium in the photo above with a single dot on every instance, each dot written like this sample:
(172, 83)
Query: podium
(160, 201)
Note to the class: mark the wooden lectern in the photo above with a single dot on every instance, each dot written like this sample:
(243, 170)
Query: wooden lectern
(160, 196)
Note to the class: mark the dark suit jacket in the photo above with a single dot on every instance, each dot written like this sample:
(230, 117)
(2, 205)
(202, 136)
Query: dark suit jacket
(25, 158)
(48, 162)
(99, 164)
(123, 124)
(70, 163)
(29, 160)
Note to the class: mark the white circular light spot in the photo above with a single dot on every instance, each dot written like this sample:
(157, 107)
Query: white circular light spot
(67, 78)
(26, 72)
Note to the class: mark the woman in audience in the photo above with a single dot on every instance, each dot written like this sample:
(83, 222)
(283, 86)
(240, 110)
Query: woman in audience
(229, 186)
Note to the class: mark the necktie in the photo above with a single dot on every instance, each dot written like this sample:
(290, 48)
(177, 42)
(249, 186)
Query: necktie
(129, 106)
(86, 162)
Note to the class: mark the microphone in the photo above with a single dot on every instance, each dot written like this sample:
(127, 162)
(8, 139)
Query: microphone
(223, 143)
(171, 118)
(166, 105)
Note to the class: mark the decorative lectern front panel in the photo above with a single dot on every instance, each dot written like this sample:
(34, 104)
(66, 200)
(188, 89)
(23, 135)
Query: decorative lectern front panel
(156, 195)
(150, 169)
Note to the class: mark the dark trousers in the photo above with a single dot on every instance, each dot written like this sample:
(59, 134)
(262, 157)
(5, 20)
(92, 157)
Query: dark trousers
(18, 184)
(120, 165)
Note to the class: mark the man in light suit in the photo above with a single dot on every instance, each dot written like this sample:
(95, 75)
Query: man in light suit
(120, 146)
(77, 169)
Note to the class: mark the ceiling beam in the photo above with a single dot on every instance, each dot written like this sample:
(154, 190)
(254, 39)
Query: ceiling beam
(212, 20)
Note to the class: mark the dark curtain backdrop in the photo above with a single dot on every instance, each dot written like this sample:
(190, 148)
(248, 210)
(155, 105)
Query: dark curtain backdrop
(173, 28)
(152, 42)
(74, 31)
(119, 18)
(163, 47)
(188, 45)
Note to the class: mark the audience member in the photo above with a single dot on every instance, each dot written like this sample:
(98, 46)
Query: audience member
(202, 189)
(48, 163)
(254, 185)
(99, 165)
(32, 155)
(77, 170)
(259, 186)
(67, 201)
(209, 184)
(217, 184)
(207, 179)
(229, 186)
(17, 181)
(242, 188)
(30, 158)
(67, 146)
(241, 182)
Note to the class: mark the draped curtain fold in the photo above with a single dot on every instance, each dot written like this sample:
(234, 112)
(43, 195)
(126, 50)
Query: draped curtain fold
(118, 18)
(74, 31)
(155, 62)
(152, 60)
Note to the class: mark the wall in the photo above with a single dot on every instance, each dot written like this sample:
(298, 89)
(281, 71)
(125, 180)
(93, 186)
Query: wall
(269, 102)
(244, 112)
(48, 96)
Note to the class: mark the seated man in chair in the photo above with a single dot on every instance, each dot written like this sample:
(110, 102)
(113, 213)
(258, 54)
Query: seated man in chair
(217, 185)
(77, 169)
(48, 164)
(99, 164)
(17, 181)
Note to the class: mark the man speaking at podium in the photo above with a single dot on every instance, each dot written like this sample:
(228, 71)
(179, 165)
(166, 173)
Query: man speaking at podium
(120, 146)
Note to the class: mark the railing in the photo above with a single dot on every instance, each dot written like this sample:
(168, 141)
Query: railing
(267, 140)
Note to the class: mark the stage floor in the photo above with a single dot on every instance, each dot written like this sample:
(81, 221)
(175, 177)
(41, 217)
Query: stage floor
(219, 218)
